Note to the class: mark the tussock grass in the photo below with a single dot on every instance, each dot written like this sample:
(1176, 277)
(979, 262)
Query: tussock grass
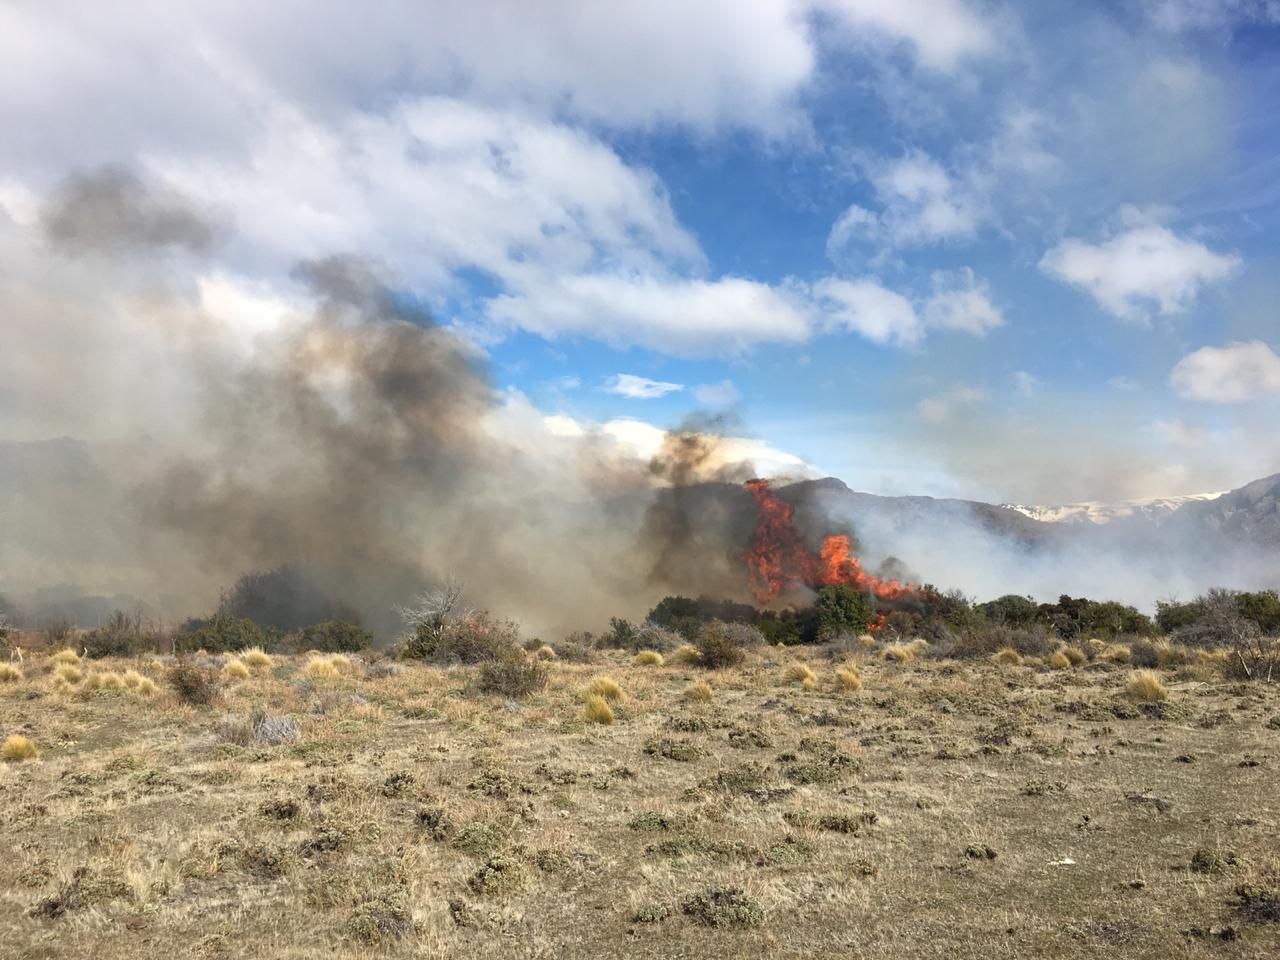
(17, 748)
(849, 679)
(545, 652)
(798, 672)
(68, 673)
(606, 688)
(1008, 657)
(255, 658)
(1145, 686)
(699, 692)
(648, 658)
(867, 640)
(809, 683)
(9, 673)
(596, 709)
(69, 657)
(1059, 660)
(685, 655)
(321, 668)
(110, 680)
(1075, 656)
(236, 670)
(900, 652)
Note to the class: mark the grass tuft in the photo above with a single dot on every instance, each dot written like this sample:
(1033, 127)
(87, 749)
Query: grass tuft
(17, 748)
(236, 670)
(699, 692)
(597, 710)
(321, 668)
(1145, 686)
(68, 673)
(1007, 656)
(69, 657)
(255, 658)
(648, 658)
(9, 673)
(685, 655)
(849, 679)
(606, 688)
(1059, 660)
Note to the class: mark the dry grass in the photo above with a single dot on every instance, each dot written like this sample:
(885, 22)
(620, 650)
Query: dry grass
(647, 658)
(9, 673)
(685, 655)
(255, 658)
(1074, 655)
(545, 652)
(1008, 656)
(798, 672)
(1145, 686)
(321, 668)
(596, 709)
(849, 679)
(904, 652)
(1059, 660)
(68, 673)
(17, 748)
(69, 657)
(607, 688)
(236, 670)
(404, 813)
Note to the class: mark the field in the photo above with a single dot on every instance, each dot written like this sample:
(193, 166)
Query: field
(945, 809)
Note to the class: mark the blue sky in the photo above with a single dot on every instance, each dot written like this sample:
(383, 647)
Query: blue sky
(1019, 252)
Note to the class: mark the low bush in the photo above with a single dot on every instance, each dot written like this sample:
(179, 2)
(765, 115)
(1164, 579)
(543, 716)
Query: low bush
(515, 678)
(221, 633)
(475, 638)
(193, 685)
(335, 636)
(717, 648)
(121, 636)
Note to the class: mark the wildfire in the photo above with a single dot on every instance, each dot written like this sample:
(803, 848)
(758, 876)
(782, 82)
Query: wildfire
(778, 557)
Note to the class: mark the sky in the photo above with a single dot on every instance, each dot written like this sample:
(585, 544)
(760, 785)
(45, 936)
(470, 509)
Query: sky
(1012, 252)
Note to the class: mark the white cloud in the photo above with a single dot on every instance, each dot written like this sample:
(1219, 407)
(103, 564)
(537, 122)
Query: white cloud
(643, 441)
(960, 301)
(722, 394)
(942, 33)
(640, 388)
(1230, 374)
(1145, 265)
(1025, 383)
(920, 202)
(947, 406)
(874, 311)
(672, 315)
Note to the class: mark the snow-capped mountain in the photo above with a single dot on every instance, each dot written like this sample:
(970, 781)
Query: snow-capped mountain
(1099, 512)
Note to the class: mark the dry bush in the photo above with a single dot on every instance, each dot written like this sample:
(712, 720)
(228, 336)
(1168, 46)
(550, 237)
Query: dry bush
(596, 709)
(717, 648)
(545, 652)
(849, 679)
(648, 658)
(193, 685)
(652, 636)
(515, 678)
(1145, 685)
(235, 670)
(9, 673)
(476, 637)
(798, 672)
(17, 748)
(577, 648)
(606, 688)
(1007, 656)
(990, 638)
(698, 692)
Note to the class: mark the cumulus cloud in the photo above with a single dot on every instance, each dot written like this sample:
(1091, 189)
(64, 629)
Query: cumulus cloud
(1145, 265)
(640, 388)
(920, 203)
(870, 309)
(960, 301)
(1230, 374)
(670, 314)
(942, 33)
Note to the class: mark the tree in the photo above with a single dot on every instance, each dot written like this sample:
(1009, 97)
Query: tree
(842, 609)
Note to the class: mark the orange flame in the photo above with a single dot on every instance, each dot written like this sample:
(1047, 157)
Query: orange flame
(778, 557)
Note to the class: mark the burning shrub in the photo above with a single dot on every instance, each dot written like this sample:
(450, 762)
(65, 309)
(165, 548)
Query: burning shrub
(717, 648)
(194, 686)
(515, 678)
(335, 636)
(221, 633)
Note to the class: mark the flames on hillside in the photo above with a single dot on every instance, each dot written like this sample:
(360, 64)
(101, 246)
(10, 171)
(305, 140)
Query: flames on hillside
(777, 557)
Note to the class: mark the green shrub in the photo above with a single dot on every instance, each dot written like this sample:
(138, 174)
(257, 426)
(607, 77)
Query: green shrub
(475, 638)
(221, 633)
(842, 609)
(335, 636)
(121, 636)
